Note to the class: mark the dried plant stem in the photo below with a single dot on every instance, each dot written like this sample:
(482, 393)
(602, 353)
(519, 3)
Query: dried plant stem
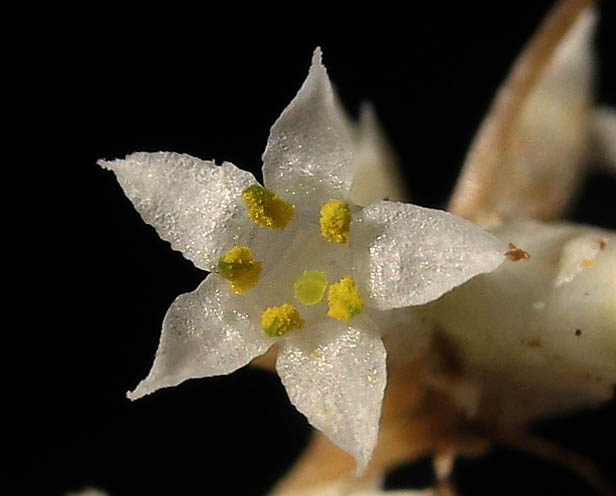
(488, 153)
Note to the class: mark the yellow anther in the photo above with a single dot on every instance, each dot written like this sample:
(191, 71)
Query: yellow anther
(266, 208)
(335, 221)
(344, 300)
(278, 321)
(238, 267)
(309, 288)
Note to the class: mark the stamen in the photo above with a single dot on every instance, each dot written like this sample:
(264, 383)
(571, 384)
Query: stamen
(279, 321)
(238, 267)
(266, 208)
(309, 288)
(345, 301)
(335, 221)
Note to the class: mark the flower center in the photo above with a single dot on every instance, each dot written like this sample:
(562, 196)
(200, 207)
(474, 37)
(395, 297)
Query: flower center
(239, 268)
(266, 208)
(344, 300)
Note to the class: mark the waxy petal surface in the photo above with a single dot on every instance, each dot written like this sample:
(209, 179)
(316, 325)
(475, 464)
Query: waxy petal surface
(407, 255)
(205, 333)
(192, 203)
(335, 375)
(309, 153)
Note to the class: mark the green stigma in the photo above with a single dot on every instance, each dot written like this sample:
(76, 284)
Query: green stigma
(309, 288)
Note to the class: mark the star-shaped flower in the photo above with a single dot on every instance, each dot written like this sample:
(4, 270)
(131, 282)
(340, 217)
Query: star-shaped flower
(297, 265)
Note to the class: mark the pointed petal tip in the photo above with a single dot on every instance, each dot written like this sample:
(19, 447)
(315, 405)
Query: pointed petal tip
(369, 125)
(366, 110)
(132, 396)
(113, 164)
(139, 392)
(105, 164)
(317, 57)
(361, 463)
(317, 69)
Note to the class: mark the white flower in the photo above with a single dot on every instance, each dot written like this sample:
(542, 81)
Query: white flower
(545, 342)
(302, 268)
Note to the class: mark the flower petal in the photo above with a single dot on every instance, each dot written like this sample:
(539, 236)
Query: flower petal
(377, 173)
(205, 333)
(406, 334)
(335, 375)
(194, 204)
(407, 255)
(309, 150)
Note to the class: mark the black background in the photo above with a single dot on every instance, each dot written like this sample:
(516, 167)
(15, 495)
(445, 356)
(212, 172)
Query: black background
(211, 84)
